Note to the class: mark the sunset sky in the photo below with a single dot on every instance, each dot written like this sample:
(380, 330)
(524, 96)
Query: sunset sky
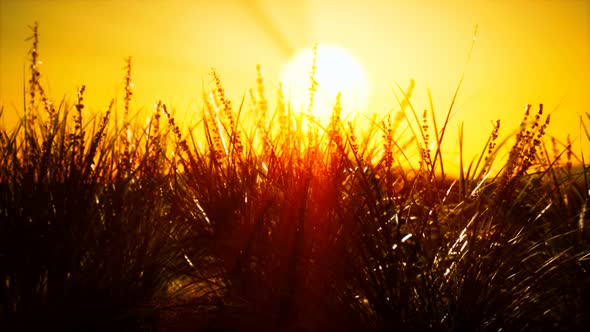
(526, 52)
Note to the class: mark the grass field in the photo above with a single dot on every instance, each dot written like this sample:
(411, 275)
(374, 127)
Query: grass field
(280, 224)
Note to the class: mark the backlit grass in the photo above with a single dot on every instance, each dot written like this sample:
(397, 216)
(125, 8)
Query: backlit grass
(261, 219)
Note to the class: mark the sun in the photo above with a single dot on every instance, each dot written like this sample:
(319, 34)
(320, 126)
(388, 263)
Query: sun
(337, 71)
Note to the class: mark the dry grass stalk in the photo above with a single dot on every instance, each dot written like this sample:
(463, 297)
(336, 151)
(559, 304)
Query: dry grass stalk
(126, 134)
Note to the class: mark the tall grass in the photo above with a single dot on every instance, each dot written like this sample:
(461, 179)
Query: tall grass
(86, 232)
(282, 224)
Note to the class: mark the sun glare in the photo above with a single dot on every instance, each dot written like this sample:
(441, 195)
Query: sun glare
(336, 71)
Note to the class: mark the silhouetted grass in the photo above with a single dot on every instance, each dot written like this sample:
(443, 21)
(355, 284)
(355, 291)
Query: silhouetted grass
(279, 223)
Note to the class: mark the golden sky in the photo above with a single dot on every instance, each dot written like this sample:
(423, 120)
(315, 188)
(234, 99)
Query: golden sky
(526, 52)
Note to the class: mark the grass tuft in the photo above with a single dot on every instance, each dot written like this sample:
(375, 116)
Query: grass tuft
(281, 224)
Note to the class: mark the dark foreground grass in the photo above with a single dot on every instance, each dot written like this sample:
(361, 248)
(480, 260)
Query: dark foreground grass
(280, 224)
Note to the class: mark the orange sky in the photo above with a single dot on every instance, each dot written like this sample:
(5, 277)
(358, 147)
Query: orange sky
(526, 52)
